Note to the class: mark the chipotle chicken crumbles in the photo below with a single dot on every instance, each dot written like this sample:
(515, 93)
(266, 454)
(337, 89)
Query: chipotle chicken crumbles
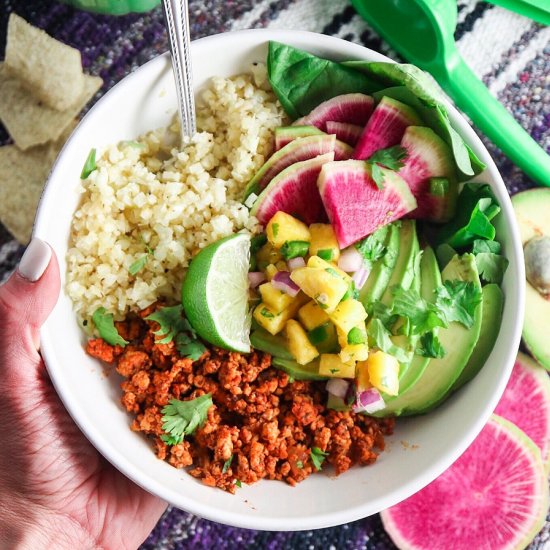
(261, 423)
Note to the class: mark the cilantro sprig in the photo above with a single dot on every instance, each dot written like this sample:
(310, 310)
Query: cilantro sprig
(380, 337)
(181, 418)
(105, 325)
(457, 301)
(317, 457)
(140, 263)
(175, 327)
(391, 158)
(89, 165)
(430, 346)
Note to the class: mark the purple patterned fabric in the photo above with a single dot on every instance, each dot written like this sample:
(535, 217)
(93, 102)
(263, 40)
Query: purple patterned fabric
(112, 47)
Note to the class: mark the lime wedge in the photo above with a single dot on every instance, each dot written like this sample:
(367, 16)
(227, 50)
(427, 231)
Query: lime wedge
(215, 293)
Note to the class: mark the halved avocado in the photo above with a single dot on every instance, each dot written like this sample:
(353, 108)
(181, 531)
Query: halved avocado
(275, 345)
(532, 209)
(299, 372)
(458, 342)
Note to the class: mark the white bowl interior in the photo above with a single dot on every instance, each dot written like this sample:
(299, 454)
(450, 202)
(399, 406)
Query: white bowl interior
(422, 447)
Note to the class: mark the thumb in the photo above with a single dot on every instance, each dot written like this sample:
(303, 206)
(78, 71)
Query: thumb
(26, 300)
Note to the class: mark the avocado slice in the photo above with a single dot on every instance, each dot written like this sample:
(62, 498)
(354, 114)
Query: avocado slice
(458, 341)
(299, 372)
(430, 280)
(382, 269)
(531, 208)
(276, 346)
(491, 305)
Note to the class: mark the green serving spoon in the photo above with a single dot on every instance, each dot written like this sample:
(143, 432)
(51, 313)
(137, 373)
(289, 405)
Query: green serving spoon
(422, 31)
(537, 10)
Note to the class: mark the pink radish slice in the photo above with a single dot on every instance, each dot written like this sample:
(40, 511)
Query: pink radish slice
(285, 134)
(344, 131)
(385, 127)
(526, 402)
(494, 497)
(352, 108)
(342, 151)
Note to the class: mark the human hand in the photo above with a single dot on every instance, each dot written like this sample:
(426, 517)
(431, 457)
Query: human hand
(56, 490)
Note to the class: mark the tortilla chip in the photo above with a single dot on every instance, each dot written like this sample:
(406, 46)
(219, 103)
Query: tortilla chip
(22, 178)
(31, 123)
(51, 70)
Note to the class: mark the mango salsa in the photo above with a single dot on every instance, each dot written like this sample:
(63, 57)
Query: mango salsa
(354, 352)
(348, 314)
(267, 255)
(298, 343)
(323, 287)
(383, 371)
(312, 316)
(284, 228)
(332, 269)
(273, 321)
(331, 365)
(274, 298)
(323, 240)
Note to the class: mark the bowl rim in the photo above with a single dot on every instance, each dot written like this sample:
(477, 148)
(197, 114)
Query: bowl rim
(291, 523)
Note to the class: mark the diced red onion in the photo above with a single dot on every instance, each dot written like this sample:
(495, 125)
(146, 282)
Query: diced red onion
(295, 263)
(350, 260)
(360, 278)
(282, 281)
(250, 200)
(256, 278)
(368, 401)
(338, 387)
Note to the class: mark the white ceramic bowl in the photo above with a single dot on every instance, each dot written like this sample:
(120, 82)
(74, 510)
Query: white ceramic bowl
(421, 449)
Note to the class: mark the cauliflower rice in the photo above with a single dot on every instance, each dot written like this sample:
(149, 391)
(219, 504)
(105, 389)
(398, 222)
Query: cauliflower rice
(148, 199)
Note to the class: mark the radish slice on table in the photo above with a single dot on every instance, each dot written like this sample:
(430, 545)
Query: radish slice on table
(338, 387)
(350, 260)
(282, 281)
(368, 401)
(295, 263)
(360, 278)
(256, 278)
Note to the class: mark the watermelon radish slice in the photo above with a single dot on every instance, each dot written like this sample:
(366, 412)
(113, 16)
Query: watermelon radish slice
(286, 134)
(295, 192)
(494, 497)
(342, 151)
(296, 151)
(354, 204)
(526, 402)
(351, 108)
(344, 131)
(429, 157)
(385, 127)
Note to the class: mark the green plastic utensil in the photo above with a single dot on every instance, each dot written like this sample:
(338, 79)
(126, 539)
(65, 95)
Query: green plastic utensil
(537, 10)
(422, 31)
(114, 7)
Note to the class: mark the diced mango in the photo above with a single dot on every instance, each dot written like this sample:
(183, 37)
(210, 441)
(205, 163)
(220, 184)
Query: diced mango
(312, 316)
(267, 255)
(269, 319)
(270, 271)
(331, 365)
(384, 372)
(281, 266)
(323, 238)
(362, 380)
(342, 337)
(283, 227)
(354, 352)
(276, 299)
(298, 343)
(348, 314)
(334, 270)
(323, 287)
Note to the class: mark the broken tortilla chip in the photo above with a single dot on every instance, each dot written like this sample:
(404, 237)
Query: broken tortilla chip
(49, 69)
(27, 120)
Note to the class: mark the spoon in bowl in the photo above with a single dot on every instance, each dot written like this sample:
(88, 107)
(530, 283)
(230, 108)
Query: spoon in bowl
(176, 14)
(422, 31)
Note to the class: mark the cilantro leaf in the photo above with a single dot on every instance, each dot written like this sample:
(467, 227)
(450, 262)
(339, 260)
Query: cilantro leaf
(380, 337)
(481, 245)
(491, 266)
(430, 346)
(89, 165)
(422, 316)
(392, 157)
(371, 247)
(227, 464)
(317, 457)
(181, 418)
(171, 440)
(138, 265)
(238, 483)
(174, 326)
(457, 301)
(377, 175)
(105, 325)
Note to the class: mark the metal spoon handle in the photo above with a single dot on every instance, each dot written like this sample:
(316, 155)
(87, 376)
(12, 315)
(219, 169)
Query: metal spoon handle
(176, 13)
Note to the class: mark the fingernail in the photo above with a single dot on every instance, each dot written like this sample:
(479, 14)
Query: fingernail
(35, 260)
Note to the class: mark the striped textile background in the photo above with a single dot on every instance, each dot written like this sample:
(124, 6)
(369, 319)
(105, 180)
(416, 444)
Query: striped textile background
(510, 53)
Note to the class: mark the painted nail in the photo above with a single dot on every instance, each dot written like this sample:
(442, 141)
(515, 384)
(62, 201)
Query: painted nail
(35, 260)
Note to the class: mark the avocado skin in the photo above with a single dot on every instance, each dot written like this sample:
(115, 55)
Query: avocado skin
(492, 304)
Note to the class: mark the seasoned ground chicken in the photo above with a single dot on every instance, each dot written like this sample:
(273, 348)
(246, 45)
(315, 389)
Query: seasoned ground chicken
(261, 424)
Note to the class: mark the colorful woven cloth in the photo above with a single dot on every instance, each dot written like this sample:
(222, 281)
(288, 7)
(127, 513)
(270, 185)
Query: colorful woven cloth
(510, 53)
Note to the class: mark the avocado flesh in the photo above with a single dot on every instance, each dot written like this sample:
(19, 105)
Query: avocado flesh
(275, 345)
(531, 208)
(299, 372)
(458, 342)
(382, 269)
(491, 306)
(430, 280)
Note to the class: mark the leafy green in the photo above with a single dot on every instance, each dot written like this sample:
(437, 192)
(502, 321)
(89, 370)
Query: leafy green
(317, 457)
(422, 315)
(476, 207)
(372, 247)
(238, 483)
(480, 245)
(445, 253)
(380, 337)
(138, 265)
(257, 242)
(181, 418)
(175, 327)
(227, 464)
(391, 158)
(457, 301)
(430, 346)
(294, 249)
(302, 81)
(89, 165)
(491, 266)
(105, 325)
